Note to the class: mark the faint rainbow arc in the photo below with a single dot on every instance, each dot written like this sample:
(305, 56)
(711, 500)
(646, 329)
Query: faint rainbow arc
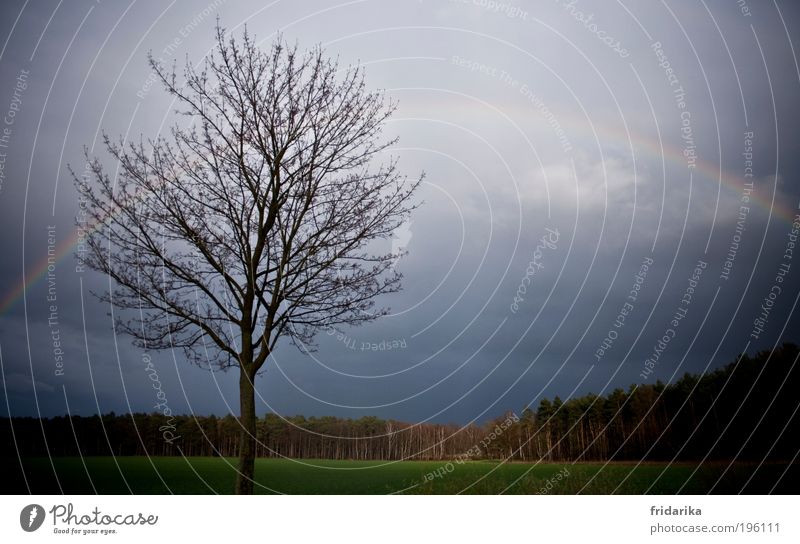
(710, 172)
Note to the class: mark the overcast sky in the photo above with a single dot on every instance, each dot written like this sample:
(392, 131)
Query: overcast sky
(621, 132)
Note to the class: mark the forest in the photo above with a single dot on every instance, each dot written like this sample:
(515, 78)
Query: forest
(745, 411)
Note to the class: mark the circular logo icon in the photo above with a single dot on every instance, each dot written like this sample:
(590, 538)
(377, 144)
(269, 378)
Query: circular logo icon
(31, 517)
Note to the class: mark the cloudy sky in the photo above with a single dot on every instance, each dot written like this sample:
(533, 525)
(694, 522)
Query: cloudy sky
(624, 133)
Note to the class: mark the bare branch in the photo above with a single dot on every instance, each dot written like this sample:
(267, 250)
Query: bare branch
(254, 221)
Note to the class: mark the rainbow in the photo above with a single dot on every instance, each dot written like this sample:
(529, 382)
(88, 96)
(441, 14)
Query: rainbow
(39, 271)
(708, 172)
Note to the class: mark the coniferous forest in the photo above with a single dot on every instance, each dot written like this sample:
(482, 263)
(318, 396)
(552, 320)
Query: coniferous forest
(745, 410)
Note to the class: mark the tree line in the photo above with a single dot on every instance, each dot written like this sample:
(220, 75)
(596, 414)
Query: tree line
(744, 410)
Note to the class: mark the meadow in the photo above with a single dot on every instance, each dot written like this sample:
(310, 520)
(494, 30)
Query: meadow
(209, 475)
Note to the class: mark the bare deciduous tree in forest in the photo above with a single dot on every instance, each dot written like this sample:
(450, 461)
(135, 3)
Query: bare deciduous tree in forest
(256, 219)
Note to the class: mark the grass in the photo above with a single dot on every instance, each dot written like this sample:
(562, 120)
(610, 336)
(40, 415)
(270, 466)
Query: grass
(198, 475)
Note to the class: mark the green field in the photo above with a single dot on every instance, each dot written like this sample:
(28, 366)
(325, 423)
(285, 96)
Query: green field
(198, 475)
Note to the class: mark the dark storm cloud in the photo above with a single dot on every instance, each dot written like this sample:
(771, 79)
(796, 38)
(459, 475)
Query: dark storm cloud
(523, 119)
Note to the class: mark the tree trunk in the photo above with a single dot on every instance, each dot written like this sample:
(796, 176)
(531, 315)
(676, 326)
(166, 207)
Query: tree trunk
(247, 433)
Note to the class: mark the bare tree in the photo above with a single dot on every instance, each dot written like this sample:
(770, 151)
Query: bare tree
(257, 219)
